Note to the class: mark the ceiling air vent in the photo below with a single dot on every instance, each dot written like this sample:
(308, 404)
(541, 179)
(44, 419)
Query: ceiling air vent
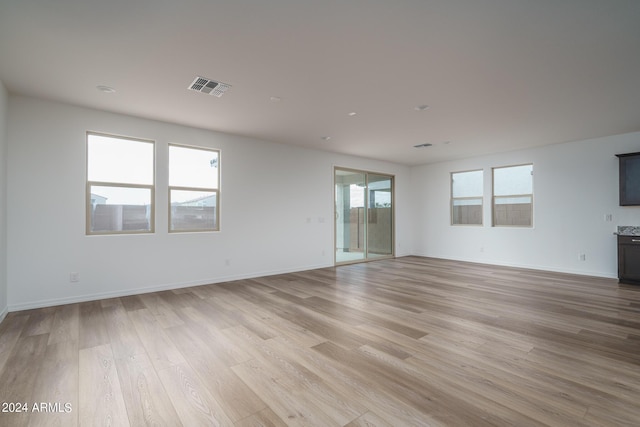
(208, 86)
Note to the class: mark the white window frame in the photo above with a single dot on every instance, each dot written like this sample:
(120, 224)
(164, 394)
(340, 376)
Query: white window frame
(454, 199)
(90, 184)
(187, 188)
(507, 196)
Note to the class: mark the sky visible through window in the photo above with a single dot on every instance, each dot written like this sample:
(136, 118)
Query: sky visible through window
(120, 161)
(193, 168)
(513, 181)
(127, 161)
(507, 181)
(356, 195)
(467, 184)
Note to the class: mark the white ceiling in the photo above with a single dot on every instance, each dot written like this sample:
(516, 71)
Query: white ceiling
(497, 75)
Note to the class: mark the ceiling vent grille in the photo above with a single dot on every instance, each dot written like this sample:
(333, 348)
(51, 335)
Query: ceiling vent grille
(208, 86)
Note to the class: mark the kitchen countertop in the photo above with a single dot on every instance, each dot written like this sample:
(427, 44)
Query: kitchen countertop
(628, 230)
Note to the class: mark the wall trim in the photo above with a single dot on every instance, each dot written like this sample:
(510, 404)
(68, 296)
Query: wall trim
(155, 288)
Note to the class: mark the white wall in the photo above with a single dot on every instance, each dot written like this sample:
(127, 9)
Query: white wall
(4, 99)
(575, 186)
(276, 210)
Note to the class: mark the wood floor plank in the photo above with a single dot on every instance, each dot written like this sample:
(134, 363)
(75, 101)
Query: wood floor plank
(406, 341)
(160, 349)
(66, 324)
(93, 329)
(358, 317)
(614, 415)
(132, 303)
(220, 344)
(100, 396)
(40, 321)
(497, 397)
(369, 419)
(321, 325)
(235, 398)
(290, 406)
(617, 382)
(296, 333)
(255, 325)
(423, 396)
(55, 395)
(193, 402)
(264, 418)
(19, 375)
(164, 313)
(123, 337)
(295, 377)
(361, 389)
(10, 331)
(145, 397)
(179, 299)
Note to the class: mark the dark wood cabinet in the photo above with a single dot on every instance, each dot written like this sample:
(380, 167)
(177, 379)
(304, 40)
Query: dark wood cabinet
(629, 259)
(629, 179)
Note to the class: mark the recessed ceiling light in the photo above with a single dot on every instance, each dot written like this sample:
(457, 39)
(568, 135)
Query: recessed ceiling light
(351, 114)
(325, 138)
(275, 99)
(421, 107)
(105, 89)
(426, 144)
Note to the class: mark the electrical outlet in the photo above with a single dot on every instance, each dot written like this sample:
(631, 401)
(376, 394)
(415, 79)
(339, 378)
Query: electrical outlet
(582, 257)
(227, 262)
(74, 277)
(608, 217)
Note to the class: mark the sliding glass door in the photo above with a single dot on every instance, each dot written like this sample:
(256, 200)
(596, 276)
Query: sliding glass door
(380, 218)
(350, 224)
(363, 215)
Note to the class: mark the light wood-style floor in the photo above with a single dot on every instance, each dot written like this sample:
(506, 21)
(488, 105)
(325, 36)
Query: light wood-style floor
(409, 341)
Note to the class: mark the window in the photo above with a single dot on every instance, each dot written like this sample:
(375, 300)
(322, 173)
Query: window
(466, 197)
(194, 190)
(513, 196)
(120, 184)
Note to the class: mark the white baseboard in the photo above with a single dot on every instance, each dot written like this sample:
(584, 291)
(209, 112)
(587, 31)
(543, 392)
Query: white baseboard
(402, 254)
(4, 313)
(157, 288)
